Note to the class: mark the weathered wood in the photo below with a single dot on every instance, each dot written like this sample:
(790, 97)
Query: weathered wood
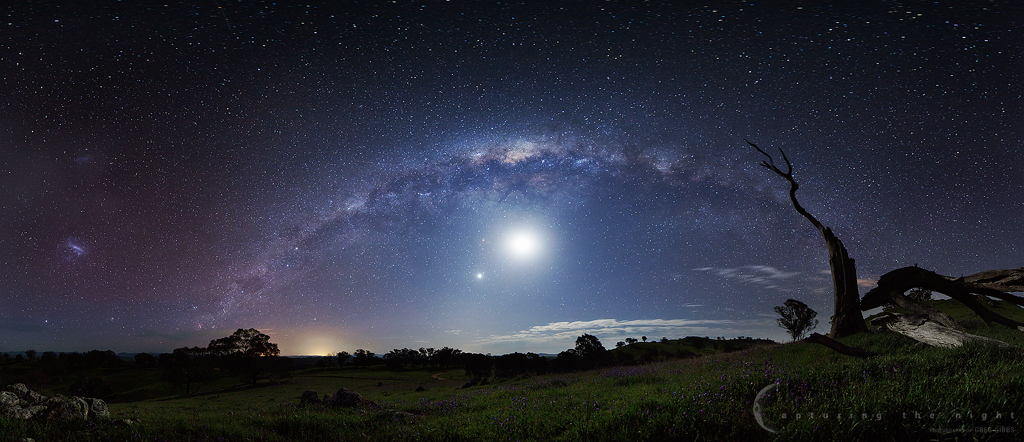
(817, 338)
(924, 310)
(1004, 280)
(918, 328)
(847, 318)
(901, 280)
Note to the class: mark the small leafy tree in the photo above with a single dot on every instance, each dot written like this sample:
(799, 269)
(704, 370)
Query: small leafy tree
(919, 295)
(249, 352)
(398, 359)
(342, 357)
(363, 358)
(797, 318)
(915, 295)
(590, 349)
(186, 367)
(447, 357)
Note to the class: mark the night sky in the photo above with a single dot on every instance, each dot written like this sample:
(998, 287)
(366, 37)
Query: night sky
(489, 176)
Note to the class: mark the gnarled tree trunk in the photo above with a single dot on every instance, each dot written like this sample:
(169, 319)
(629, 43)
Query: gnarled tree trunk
(941, 330)
(847, 318)
(990, 283)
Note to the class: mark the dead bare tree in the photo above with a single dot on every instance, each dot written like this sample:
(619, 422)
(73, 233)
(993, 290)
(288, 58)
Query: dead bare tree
(847, 318)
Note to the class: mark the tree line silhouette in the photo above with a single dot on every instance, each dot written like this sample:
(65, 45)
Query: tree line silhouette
(251, 357)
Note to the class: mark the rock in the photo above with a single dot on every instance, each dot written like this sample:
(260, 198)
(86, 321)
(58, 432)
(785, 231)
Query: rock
(309, 397)
(346, 398)
(97, 408)
(18, 402)
(420, 388)
(9, 399)
(17, 413)
(64, 408)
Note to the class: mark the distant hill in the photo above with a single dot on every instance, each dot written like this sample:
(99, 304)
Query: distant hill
(690, 346)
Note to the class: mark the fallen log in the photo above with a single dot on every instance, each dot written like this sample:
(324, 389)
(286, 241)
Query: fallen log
(920, 329)
(925, 310)
(1005, 280)
(839, 346)
(961, 289)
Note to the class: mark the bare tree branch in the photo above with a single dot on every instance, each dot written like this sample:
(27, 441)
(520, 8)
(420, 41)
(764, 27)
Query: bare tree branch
(847, 318)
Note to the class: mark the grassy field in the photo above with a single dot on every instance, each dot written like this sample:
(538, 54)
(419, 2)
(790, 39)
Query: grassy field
(909, 392)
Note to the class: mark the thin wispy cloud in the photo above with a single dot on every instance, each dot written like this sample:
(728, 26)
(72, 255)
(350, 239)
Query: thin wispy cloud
(815, 283)
(762, 275)
(861, 282)
(615, 328)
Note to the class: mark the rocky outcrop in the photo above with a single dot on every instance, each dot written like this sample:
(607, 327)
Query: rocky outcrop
(348, 399)
(18, 402)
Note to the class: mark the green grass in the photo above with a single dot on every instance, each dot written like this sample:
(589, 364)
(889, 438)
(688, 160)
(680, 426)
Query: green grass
(908, 392)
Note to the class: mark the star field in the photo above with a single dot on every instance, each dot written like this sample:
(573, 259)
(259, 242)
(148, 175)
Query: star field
(489, 176)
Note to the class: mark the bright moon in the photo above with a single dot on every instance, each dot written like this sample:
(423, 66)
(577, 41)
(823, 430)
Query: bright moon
(523, 244)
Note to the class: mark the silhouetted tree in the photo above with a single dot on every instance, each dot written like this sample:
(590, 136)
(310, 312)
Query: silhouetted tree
(249, 352)
(538, 363)
(919, 295)
(567, 361)
(324, 362)
(477, 364)
(342, 358)
(644, 338)
(631, 341)
(364, 358)
(797, 318)
(847, 318)
(244, 342)
(145, 360)
(31, 354)
(398, 359)
(447, 357)
(511, 364)
(187, 366)
(591, 350)
(425, 356)
(97, 358)
(620, 344)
